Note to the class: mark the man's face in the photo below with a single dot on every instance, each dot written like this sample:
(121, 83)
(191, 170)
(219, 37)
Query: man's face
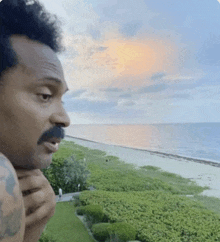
(31, 104)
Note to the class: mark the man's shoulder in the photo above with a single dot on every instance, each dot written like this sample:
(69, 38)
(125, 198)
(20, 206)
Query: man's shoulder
(12, 211)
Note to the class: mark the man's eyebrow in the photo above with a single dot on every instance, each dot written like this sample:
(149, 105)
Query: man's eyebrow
(53, 79)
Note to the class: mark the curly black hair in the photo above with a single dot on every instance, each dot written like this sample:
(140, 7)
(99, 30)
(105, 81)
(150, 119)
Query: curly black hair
(29, 18)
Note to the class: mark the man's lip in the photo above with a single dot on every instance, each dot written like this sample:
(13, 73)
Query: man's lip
(51, 147)
(54, 140)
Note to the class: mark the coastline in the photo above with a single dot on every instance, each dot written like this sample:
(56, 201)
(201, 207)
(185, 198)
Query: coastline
(204, 173)
(172, 156)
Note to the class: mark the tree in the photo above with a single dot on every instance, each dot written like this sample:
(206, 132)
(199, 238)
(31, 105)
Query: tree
(75, 172)
(67, 174)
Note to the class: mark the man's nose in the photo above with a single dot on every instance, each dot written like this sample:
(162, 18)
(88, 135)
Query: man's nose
(61, 118)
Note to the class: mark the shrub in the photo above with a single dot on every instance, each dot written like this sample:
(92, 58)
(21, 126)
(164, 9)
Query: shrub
(101, 231)
(152, 168)
(80, 210)
(77, 202)
(46, 238)
(95, 212)
(123, 231)
(114, 238)
(125, 181)
(158, 216)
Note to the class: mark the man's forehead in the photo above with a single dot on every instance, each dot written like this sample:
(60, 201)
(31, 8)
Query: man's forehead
(37, 59)
(33, 54)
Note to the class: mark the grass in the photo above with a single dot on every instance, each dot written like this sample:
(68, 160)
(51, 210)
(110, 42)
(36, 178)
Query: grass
(65, 226)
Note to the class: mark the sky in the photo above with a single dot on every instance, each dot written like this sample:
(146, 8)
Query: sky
(140, 61)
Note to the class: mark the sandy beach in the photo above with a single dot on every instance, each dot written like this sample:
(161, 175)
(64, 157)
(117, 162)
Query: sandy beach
(204, 173)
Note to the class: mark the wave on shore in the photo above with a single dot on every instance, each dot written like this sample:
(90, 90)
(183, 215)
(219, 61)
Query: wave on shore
(158, 153)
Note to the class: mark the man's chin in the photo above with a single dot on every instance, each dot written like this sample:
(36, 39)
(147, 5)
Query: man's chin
(43, 161)
(39, 162)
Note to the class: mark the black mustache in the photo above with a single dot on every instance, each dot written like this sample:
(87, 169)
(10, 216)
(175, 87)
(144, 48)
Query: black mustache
(55, 132)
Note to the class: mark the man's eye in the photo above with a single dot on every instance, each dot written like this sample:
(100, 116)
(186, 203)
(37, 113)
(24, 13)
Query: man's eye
(46, 97)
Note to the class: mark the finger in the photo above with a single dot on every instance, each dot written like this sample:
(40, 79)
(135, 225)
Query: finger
(41, 215)
(33, 201)
(21, 173)
(39, 198)
(32, 183)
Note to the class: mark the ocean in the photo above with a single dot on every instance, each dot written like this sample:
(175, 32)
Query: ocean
(190, 140)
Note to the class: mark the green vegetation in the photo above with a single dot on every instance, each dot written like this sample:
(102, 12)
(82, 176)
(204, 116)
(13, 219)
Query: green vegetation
(67, 172)
(101, 231)
(121, 231)
(46, 238)
(64, 226)
(157, 215)
(95, 212)
(152, 202)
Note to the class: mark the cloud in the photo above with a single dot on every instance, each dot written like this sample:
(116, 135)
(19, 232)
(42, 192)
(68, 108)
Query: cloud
(125, 63)
(130, 29)
(77, 93)
(100, 56)
(135, 59)
(126, 95)
(181, 96)
(158, 75)
(87, 106)
(81, 70)
(55, 8)
(184, 79)
(186, 86)
(210, 51)
(87, 118)
(153, 88)
(124, 11)
(80, 14)
(125, 103)
(112, 89)
(94, 32)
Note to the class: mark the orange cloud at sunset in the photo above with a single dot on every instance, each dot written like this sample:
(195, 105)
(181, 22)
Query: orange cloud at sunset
(128, 58)
(118, 62)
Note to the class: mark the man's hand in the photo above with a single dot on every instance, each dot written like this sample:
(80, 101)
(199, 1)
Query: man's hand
(39, 201)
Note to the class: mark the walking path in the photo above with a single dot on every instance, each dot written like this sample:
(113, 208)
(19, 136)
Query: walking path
(66, 197)
(69, 196)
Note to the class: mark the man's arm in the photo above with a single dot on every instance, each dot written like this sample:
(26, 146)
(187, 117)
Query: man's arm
(12, 211)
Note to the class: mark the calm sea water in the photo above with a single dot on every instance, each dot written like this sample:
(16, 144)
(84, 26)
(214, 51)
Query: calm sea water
(195, 140)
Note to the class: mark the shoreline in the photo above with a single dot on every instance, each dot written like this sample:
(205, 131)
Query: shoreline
(204, 174)
(172, 156)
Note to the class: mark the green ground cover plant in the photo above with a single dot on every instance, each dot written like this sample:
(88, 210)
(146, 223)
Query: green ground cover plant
(106, 231)
(94, 211)
(158, 216)
(101, 231)
(147, 198)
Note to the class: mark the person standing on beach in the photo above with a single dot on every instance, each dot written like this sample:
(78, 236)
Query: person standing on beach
(32, 117)
(60, 193)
